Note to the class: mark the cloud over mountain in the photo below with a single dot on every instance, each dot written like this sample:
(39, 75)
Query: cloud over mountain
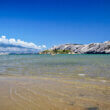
(19, 42)
(18, 46)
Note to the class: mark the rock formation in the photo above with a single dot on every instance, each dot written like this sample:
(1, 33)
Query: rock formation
(93, 48)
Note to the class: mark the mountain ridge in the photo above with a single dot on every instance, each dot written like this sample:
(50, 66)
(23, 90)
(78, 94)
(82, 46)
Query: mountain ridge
(92, 48)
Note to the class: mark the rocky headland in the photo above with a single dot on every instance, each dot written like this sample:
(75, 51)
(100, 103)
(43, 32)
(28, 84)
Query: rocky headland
(93, 48)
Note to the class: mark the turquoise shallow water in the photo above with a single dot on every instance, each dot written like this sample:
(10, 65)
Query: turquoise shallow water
(59, 65)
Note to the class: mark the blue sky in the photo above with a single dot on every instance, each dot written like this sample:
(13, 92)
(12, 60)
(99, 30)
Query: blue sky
(53, 22)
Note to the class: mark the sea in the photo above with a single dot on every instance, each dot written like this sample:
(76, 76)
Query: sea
(61, 65)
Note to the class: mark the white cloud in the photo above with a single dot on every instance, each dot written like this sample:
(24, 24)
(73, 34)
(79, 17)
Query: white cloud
(19, 42)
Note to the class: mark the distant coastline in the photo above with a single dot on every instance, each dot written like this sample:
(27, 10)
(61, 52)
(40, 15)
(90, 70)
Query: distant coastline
(93, 48)
(56, 51)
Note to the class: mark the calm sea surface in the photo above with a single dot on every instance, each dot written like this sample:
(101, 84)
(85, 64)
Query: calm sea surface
(93, 66)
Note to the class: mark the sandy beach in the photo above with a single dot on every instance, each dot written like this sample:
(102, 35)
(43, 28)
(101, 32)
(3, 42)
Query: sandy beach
(46, 93)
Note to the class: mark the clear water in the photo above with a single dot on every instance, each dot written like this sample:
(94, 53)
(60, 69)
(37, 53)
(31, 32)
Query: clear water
(58, 65)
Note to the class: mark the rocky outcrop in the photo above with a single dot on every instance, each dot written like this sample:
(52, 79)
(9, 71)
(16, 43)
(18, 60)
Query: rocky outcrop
(93, 48)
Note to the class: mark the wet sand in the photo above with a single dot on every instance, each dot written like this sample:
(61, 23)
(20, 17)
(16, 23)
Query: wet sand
(47, 93)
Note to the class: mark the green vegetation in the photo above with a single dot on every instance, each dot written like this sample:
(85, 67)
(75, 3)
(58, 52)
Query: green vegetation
(56, 51)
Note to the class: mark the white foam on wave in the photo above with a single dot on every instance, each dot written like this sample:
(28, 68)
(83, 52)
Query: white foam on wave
(81, 74)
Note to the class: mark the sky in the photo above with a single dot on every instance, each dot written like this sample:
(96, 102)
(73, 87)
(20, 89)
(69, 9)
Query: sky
(54, 22)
